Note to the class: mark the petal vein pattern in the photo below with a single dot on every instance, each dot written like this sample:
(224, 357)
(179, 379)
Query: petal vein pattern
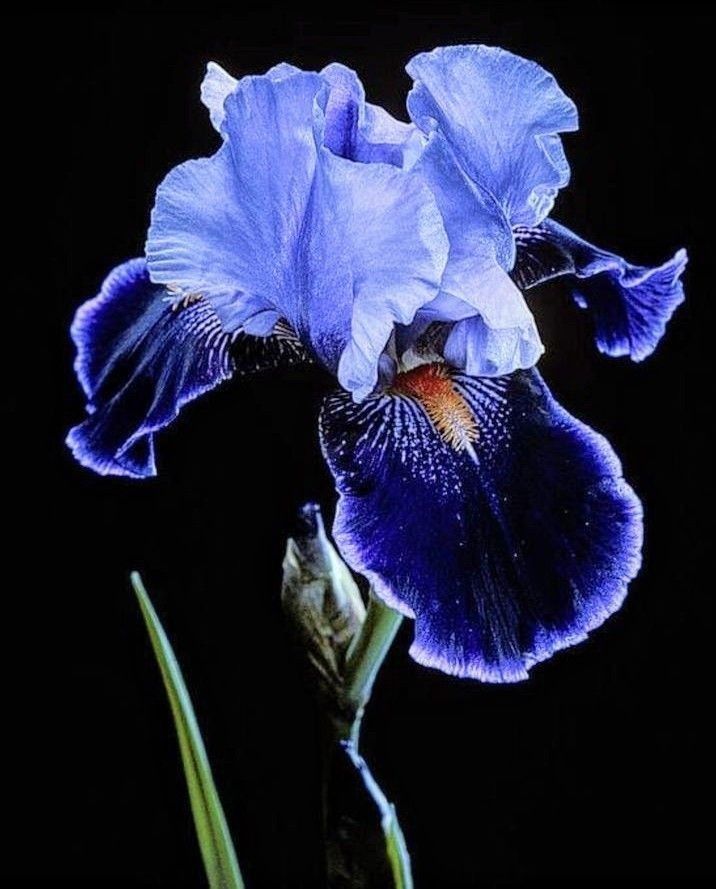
(503, 553)
(502, 115)
(630, 305)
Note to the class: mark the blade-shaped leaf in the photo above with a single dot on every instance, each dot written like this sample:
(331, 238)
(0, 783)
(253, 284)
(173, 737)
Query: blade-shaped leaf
(395, 847)
(222, 868)
(397, 851)
(364, 843)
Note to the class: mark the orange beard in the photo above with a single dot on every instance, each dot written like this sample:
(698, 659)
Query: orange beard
(450, 414)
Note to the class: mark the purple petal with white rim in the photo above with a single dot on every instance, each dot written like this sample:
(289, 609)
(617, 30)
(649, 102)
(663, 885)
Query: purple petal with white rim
(485, 511)
(629, 304)
(141, 358)
(501, 114)
(139, 362)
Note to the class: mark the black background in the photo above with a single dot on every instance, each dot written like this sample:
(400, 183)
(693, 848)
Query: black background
(596, 771)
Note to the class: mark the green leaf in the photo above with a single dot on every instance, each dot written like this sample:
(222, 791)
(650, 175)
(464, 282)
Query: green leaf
(365, 846)
(222, 868)
(397, 850)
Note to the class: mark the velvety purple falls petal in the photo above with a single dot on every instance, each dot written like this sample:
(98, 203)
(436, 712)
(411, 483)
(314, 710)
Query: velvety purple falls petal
(139, 361)
(501, 115)
(504, 552)
(630, 304)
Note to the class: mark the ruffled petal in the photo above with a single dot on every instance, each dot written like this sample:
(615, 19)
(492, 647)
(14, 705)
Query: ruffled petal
(356, 130)
(276, 224)
(373, 253)
(227, 226)
(218, 85)
(501, 114)
(493, 330)
(630, 305)
(494, 344)
(141, 357)
(485, 511)
(353, 128)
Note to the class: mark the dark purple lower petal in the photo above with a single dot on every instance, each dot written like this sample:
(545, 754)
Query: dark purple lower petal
(631, 305)
(505, 551)
(140, 358)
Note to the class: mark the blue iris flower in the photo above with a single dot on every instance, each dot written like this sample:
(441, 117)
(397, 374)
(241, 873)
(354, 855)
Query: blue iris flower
(395, 255)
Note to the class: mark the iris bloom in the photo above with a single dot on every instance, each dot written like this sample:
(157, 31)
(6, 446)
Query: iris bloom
(395, 255)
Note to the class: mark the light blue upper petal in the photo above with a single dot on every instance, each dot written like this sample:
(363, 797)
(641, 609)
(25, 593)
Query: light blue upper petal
(488, 345)
(495, 332)
(374, 253)
(218, 85)
(227, 226)
(501, 115)
(342, 251)
(353, 127)
(359, 131)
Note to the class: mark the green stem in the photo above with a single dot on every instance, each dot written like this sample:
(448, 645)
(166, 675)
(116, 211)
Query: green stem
(365, 657)
(361, 849)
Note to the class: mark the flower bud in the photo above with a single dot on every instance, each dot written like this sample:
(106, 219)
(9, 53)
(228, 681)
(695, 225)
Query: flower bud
(321, 601)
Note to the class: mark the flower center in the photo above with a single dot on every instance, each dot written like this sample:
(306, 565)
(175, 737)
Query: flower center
(446, 407)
